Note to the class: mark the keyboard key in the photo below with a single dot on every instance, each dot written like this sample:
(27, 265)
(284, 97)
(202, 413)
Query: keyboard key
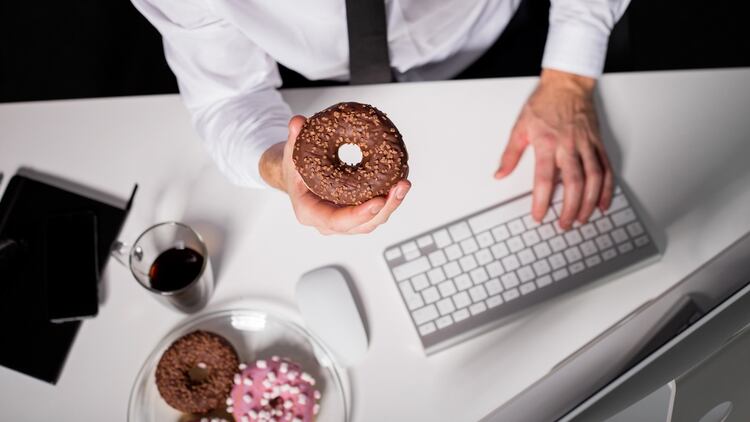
(501, 214)
(477, 308)
(437, 258)
(459, 231)
(494, 269)
(560, 274)
(392, 254)
(609, 254)
(641, 241)
(442, 239)
(623, 217)
(461, 300)
(510, 263)
(426, 329)
(543, 281)
(411, 268)
(531, 238)
(477, 293)
(445, 306)
(516, 227)
(525, 274)
(407, 290)
(550, 216)
(463, 282)
(595, 215)
(576, 267)
(485, 239)
(625, 247)
(453, 252)
(558, 243)
(604, 225)
(412, 254)
(494, 301)
(527, 288)
(443, 321)
(588, 231)
(430, 295)
(618, 202)
(557, 261)
(500, 233)
(546, 231)
(468, 263)
(436, 275)
(483, 257)
(451, 269)
(409, 247)
(573, 254)
(469, 246)
(414, 302)
(542, 250)
(499, 250)
(593, 261)
(635, 229)
(493, 286)
(619, 235)
(479, 275)
(447, 288)
(460, 315)
(529, 222)
(515, 244)
(420, 282)
(541, 267)
(604, 242)
(509, 280)
(426, 314)
(588, 248)
(573, 237)
(424, 241)
(511, 294)
(526, 256)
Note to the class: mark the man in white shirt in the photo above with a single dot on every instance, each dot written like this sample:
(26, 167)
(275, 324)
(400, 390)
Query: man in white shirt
(224, 54)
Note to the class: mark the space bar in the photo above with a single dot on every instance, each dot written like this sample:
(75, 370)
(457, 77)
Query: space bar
(500, 214)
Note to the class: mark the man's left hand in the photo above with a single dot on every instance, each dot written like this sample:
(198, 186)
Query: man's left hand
(559, 122)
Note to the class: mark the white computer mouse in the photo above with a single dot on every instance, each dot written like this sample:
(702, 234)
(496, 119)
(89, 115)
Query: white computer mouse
(332, 313)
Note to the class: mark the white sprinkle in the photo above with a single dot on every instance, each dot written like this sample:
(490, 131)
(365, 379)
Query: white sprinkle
(316, 409)
(230, 401)
(285, 388)
(244, 419)
(294, 390)
(296, 420)
(264, 402)
(275, 358)
(242, 367)
(261, 364)
(237, 379)
(267, 395)
(204, 419)
(253, 414)
(307, 378)
(202, 365)
(316, 394)
(230, 409)
(292, 375)
(288, 404)
(267, 383)
(246, 398)
(276, 392)
(284, 368)
(271, 376)
(302, 399)
(247, 381)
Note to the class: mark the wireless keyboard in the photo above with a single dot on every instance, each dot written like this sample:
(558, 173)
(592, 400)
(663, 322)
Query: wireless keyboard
(457, 279)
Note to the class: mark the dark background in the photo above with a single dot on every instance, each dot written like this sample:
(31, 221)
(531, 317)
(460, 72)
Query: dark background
(97, 48)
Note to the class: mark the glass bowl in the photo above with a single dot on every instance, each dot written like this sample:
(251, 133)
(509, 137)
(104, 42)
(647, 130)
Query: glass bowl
(255, 335)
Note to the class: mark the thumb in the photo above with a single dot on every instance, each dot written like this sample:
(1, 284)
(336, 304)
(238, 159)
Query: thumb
(512, 154)
(295, 126)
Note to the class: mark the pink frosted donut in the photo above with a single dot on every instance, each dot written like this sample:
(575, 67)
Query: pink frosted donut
(273, 390)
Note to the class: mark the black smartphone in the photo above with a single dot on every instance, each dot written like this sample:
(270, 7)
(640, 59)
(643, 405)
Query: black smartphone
(71, 270)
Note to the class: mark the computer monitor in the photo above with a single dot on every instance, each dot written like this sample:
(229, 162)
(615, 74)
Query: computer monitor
(677, 355)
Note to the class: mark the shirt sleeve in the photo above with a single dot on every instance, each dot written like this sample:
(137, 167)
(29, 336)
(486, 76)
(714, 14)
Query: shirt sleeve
(227, 83)
(578, 34)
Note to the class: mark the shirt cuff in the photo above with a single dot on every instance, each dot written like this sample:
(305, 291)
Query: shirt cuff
(575, 48)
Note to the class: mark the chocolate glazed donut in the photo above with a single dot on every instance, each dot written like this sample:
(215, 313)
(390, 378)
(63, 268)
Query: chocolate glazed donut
(316, 154)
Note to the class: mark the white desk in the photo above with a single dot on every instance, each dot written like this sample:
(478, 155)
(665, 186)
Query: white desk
(680, 140)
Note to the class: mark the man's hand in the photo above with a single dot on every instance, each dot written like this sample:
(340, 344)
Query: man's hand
(559, 121)
(278, 170)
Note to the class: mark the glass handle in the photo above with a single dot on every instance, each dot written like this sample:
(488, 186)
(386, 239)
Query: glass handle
(120, 252)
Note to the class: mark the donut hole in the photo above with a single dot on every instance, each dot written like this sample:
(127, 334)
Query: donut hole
(198, 374)
(350, 154)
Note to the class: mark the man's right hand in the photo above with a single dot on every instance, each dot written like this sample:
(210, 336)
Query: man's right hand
(278, 170)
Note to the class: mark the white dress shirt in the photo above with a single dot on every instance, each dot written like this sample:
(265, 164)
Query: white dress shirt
(224, 54)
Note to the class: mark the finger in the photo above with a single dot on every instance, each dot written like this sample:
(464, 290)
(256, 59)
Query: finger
(295, 126)
(322, 214)
(513, 152)
(544, 179)
(572, 178)
(608, 186)
(395, 197)
(592, 187)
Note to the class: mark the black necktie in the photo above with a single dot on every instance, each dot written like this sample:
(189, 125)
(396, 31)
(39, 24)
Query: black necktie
(368, 42)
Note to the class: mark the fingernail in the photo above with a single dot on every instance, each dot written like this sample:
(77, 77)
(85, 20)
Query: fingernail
(375, 209)
(401, 192)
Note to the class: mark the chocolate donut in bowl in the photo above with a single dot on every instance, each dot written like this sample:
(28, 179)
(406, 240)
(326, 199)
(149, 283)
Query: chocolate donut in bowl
(356, 128)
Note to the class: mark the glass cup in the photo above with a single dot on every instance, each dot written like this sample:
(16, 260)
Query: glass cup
(171, 260)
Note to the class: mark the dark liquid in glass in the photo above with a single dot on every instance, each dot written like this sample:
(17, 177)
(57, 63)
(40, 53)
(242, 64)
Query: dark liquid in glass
(175, 268)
